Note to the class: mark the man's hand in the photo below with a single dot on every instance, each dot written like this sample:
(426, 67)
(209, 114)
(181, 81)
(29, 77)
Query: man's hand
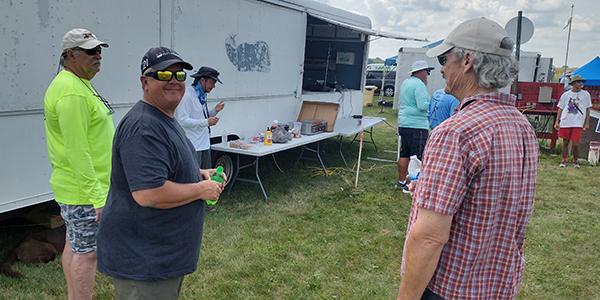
(211, 190)
(207, 173)
(220, 106)
(212, 121)
(98, 213)
(412, 185)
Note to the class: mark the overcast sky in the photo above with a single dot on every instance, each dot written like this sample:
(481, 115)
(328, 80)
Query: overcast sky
(434, 19)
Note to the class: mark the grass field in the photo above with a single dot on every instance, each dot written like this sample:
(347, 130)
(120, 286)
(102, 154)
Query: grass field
(321, 238)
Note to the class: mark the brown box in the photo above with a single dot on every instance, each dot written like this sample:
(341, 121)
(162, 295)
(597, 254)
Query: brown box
(319, 111)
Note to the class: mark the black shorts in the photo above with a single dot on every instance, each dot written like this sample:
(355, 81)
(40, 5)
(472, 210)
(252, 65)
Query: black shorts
(413, 141)
(429, 295)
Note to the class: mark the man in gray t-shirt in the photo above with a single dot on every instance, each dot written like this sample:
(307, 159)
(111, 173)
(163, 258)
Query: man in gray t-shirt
(151, 228)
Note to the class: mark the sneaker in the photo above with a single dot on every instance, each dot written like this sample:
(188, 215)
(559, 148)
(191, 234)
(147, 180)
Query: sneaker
(563, 164)
(404, 187)
(576, 164)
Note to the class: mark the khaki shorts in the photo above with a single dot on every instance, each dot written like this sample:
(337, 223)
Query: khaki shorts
(168, 289)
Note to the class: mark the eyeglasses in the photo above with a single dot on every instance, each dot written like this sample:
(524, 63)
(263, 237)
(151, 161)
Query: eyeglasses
(90, 52)
(442, 59)
(428, 71)
(167, 75)
(110, 109)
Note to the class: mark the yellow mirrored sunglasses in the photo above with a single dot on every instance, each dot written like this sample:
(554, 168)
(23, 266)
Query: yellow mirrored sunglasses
(167, 75)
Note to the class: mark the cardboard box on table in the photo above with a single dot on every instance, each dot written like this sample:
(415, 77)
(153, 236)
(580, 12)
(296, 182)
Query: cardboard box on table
(313, 110)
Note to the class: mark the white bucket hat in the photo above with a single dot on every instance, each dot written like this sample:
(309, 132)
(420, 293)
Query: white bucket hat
(420, 65)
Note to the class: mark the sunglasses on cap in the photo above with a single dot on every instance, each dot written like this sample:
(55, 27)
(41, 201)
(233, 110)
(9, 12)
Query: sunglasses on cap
(167, 75)
(90, 52)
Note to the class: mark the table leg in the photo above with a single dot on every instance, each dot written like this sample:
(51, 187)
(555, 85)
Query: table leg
(259, 181)
(341, 154)
(299, 157)
(370, 132)
(320, 160)
(371, 137)
(255, 164)
(317, 152)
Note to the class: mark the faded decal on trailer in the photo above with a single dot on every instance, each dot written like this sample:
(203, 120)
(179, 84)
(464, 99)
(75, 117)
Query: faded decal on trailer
(248, 57)
(44, 12)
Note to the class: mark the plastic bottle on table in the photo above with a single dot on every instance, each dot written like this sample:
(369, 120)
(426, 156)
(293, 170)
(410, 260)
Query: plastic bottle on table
(268, 137)
(224, 138)
(414, 168)
(219, 177)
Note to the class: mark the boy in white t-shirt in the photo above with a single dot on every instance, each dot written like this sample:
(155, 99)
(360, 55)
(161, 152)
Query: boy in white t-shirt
(573, 117)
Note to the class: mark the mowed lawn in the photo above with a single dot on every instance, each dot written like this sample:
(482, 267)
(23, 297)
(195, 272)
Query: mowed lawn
(321, 238)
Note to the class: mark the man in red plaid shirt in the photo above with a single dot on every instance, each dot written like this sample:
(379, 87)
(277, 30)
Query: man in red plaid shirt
(476, 190)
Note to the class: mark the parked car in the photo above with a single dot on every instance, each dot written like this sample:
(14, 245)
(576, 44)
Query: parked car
(374, 78)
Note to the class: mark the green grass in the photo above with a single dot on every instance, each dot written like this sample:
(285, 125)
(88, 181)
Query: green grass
(320, 238)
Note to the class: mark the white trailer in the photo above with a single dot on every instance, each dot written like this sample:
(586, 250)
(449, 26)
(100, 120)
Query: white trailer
(272, 55)
(406, 57)
(534, 68)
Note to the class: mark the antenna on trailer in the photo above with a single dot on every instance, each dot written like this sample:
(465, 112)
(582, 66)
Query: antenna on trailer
(327, 65)
(569, 23)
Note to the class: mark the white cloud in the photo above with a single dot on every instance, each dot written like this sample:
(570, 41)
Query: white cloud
(542, 5)
(434, 19)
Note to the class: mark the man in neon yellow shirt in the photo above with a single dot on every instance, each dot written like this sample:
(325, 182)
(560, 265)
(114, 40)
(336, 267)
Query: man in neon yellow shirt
(79, 133)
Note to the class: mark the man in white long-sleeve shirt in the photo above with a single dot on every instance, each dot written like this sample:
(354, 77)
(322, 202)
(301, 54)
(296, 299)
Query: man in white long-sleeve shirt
(195, 117)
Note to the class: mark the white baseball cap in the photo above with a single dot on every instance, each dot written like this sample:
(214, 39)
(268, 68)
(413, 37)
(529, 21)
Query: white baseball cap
(479, 34)
(81, 38)
(420, 65)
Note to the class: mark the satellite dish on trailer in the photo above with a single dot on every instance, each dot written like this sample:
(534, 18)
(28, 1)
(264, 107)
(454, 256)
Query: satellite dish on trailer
(526, 29)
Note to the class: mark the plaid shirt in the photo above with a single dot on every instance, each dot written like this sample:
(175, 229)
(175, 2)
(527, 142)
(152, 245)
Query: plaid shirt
(480, 167)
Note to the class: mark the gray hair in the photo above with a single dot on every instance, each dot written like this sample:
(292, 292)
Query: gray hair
(63, 57)
(492, 70)
(146, 74)
(149, 70)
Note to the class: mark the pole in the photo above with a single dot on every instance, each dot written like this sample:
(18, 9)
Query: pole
(359, 155)
(518, 52)
(568, 39)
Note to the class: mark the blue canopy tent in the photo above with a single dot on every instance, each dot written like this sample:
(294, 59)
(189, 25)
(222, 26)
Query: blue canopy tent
(392, 60)
(590, 72)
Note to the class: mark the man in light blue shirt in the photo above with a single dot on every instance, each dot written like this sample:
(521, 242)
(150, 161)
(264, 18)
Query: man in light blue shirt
(413, 125)
(441, 107)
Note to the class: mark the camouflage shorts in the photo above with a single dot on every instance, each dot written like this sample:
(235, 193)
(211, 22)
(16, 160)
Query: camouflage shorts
(82, 228)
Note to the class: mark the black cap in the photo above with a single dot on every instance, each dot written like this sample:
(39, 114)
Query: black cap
(160, 58)
(207, 72)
